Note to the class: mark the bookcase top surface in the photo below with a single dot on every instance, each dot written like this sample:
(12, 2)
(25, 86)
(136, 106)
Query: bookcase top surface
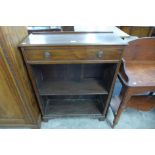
(72, 39)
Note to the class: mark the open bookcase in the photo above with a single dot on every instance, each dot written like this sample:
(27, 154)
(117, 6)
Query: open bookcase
(73, 89)
(73, 74)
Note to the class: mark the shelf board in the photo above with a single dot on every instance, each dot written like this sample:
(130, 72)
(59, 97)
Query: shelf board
(139, 102)
(142, 102)
(82, 87)
(71, 107)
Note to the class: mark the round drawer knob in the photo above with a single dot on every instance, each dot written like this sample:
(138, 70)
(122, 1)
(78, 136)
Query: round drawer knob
(47, 54)
(99, 54)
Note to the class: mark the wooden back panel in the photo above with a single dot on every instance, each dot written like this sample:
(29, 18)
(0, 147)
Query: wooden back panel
(140, 50)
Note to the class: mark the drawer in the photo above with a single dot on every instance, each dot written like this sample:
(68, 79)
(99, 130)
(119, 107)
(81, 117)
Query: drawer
(70, 53)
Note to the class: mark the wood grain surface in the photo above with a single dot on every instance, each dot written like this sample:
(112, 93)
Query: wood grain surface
(23, 102)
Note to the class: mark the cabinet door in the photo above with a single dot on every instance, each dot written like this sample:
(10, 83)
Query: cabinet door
(10, 110)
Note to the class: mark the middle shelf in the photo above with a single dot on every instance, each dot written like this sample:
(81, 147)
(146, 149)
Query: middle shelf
(72, 87)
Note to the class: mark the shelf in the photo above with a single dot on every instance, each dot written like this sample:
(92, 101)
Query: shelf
(142, 102)
(139, 102)
(82, 87)
(71, 107)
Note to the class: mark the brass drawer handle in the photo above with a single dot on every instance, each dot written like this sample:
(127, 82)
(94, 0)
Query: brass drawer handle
(47, 55)
(100, 54)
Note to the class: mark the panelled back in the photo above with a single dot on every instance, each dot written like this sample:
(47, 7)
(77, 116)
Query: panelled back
(140, 50)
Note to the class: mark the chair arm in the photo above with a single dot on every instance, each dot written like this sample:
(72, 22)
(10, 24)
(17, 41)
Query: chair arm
(122, 72)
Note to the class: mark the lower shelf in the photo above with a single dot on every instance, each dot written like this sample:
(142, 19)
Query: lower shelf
(72, 107)
(139, 102)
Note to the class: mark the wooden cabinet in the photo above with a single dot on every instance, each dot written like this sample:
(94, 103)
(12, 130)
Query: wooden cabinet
(18, 106)
(73, 74)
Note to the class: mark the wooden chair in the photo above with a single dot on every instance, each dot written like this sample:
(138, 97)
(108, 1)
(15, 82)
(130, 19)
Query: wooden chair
(137, 75)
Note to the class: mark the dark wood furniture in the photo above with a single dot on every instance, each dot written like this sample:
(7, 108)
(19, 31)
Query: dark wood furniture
(73, 74)
(67, 28)
(47, 29)
(153, 33)
(18, 105)
(140, 31)
(137, 75)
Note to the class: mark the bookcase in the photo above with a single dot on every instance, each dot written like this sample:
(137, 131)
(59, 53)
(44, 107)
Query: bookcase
(73, 74)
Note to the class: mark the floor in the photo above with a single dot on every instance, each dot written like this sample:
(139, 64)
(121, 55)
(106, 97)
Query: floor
(130, 119)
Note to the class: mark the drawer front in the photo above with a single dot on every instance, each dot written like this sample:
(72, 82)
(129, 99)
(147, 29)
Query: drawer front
(56, 54)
